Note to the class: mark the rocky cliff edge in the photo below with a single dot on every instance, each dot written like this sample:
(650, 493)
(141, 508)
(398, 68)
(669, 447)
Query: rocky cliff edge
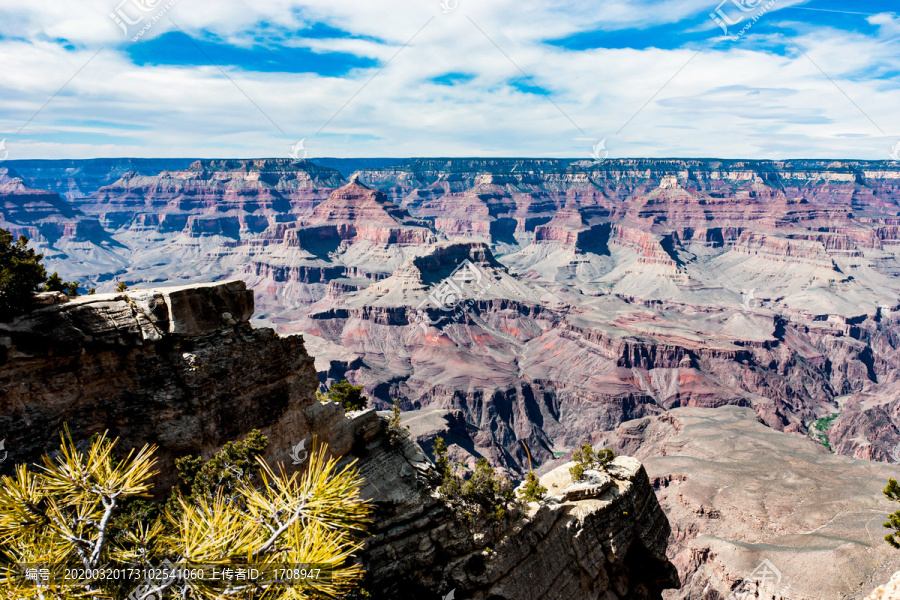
(182, 367)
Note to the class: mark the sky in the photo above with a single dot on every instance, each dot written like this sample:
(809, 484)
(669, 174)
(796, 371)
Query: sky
(756, 79)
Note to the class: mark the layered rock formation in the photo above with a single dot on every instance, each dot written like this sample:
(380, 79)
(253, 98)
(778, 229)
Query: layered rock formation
(607, 544)
(57, 229)
(73, 179)
(672, 282)
(547, 301)
(181, 367)
(177, 367)
(739, 494)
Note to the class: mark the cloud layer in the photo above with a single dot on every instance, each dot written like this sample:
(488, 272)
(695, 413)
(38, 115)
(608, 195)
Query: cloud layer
(403, 78)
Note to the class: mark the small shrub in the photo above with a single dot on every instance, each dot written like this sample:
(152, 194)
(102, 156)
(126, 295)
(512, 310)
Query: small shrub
(397, 432)
(533, 491)
(577, 472)
(204, 480)
(54, 283)
(440, 457)
(474, 495)
(121, 287)
(486, 493)
(892, 492)
(346, 394)
(450, 484)
(586, 458)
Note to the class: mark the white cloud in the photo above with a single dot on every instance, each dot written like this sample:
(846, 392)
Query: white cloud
(707, 110)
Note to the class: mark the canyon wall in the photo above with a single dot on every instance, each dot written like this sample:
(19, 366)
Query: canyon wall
(183, 368)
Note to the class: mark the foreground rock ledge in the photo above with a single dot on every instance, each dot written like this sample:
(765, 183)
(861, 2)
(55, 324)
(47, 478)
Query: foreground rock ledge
(607, 547)
(182, 368)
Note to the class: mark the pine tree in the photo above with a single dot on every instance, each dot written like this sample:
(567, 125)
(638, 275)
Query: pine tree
(532, 491)
(397, 432)
(346, 394)
(892, 491)
(55, 283)
(69, 513)
(474, 495)
(586, 458)
(21, 275)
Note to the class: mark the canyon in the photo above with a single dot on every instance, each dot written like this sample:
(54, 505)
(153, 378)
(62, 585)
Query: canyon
(183, 368)
(551, 302)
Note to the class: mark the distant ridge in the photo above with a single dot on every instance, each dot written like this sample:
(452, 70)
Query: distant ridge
(73, 177)
(347, 166)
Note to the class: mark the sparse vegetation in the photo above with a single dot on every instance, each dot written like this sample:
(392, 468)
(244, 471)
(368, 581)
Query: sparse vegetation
(586, 458)
(819, 429)
(475, 495)
(397, 432)
(440, 458)
(87, 510)
(121, 286)
(220, 475)
(892, 491)
(346, 394)
(55, 283)
(532, 491)
(22, 275)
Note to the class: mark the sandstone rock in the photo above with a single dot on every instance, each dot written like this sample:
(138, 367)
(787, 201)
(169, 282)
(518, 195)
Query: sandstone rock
(126, 318)
(196, 309)
(49, 298)
(156, 366)
(182, 368)
(668, 182)
(585, 548)
(592, 485)
(739, 494)
(888, 591)
(620, 290)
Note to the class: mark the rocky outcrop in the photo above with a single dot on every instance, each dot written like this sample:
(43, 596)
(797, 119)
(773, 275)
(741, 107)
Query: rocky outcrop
(740, 495)
(648, 246)
(179, 367)
(182, 368)
(360, 206)
(608, 544)
(796, 251)
(267, 187)
(888, 591)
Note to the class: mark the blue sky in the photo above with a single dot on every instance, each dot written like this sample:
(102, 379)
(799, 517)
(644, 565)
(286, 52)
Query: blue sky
(764, 79)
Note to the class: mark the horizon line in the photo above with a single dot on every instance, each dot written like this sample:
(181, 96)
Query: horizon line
(461, 158)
